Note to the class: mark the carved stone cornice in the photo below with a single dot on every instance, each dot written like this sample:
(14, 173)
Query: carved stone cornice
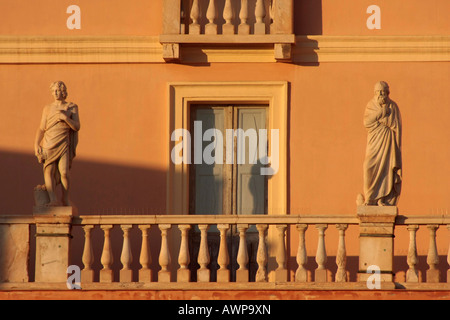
(148, 49)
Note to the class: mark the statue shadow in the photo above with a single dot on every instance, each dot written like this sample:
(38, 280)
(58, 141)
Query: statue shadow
(96, 189)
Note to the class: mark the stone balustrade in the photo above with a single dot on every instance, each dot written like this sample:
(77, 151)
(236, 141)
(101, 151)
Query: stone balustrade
(175, 228)
(228, 22)
(177, 265)
(428, 225)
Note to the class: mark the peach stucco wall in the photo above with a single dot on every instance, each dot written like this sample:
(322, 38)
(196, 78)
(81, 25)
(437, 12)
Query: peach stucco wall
(124, 116)
(143, 17)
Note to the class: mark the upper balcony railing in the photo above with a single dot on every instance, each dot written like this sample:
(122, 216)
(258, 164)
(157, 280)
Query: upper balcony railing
(228, 23)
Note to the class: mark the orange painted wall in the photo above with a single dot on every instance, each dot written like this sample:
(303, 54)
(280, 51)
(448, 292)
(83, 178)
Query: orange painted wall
(327, 17)
(100, 17)
(122, 155)
(122, 158)
(124, 116)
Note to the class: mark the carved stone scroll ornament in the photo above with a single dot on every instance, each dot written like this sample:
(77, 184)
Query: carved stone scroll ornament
(383, 160)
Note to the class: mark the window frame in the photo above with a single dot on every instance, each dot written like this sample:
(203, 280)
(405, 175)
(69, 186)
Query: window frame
(185, 94)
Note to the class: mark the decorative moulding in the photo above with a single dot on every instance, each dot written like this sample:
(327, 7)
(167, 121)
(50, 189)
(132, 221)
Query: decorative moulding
(148, 49)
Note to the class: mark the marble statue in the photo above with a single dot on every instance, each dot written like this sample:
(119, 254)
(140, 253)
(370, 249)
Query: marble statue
(55, 144)
(383, 160)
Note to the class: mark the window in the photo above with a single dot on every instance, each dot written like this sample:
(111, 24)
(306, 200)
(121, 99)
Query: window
(183, 97)
(228, 185)
(233, 183)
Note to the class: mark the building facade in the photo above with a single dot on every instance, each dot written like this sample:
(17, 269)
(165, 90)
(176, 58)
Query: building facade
(162, 202)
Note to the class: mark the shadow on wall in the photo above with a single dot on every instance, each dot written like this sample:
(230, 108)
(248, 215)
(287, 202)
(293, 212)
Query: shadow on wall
(97, 188)
(308, 17)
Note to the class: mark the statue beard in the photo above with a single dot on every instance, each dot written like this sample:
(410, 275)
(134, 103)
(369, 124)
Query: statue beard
(382, 100)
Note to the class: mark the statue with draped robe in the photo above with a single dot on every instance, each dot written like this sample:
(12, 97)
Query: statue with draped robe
(55, 144)
(383, 159)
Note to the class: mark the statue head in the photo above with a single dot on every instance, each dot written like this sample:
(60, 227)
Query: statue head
(59, 90)
(382, 92)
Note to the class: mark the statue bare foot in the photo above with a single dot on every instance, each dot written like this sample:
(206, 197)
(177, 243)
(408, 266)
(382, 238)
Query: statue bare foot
(53, 204)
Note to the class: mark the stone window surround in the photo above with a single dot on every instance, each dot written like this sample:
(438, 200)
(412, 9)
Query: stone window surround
(182, 95)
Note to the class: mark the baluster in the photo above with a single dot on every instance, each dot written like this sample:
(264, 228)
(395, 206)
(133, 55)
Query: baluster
(87, 274)
(412, 275)
(321, 255)
(242, 256)
(183, 17)
(183, 273)
(272, 14)
(244, 27)
(106, 274)
(126, 274)
(448, 258)
(145, 259)
(223, 274)
(261, 256)
(281, 273)
(203, 274)
(164, 255)
(211, 27)
(282, 16)
(260, 13)
(228, 27)
(194, 27)
(433, 258)
(341, 255)
(301, 275)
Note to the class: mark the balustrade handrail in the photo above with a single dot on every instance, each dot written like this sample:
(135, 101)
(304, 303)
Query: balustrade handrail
(423, 219)
(442, 219)
(215, 219)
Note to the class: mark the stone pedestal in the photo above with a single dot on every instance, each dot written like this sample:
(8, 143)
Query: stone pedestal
(164, 276)
(242, 275)
(376, 241)
(126, 275)
(223, 275)
(203, 275)
(281, 275)
(321, 275)
(183, 275)
(53, 234)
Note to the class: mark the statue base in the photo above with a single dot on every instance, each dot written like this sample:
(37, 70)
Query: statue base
(56, 211)
(376, 241)
(53, 234)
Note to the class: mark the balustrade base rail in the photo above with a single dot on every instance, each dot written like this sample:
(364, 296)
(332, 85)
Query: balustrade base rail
(212, 286)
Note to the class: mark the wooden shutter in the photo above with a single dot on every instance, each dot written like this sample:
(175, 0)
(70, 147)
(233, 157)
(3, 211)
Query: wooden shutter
(208, 178)
(251, 186)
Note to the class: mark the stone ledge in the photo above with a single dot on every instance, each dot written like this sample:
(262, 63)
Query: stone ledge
(148, 49)
(59, 211)
(192, 286)
(377, 214)
(228, 39)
